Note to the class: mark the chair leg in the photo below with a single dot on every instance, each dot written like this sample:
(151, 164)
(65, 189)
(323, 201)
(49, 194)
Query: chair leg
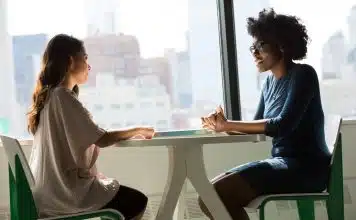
(306, 209)
(261, 212)
(335, 209)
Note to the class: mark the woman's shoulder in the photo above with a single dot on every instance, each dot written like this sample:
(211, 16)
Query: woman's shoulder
(62, 91)
(304, 69)
(304, 72)
(63, 94)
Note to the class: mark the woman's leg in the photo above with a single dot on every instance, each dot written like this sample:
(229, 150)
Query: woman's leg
(235, 192)
(129, 202)
(242, 184)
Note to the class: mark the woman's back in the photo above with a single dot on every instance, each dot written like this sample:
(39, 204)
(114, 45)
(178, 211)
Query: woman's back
(63, 158)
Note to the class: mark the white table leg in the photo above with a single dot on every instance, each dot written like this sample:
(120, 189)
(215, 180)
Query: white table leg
(175, 180)
(180, 208)
(197, 175)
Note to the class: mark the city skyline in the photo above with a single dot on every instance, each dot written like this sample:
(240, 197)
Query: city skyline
(200, 60)
(150, 28)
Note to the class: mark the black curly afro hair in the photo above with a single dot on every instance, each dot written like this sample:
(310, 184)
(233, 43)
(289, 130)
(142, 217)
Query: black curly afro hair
(282, 31)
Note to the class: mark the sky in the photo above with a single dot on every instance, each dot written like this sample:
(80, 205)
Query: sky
(150, 20)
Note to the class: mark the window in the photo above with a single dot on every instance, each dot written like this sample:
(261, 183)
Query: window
(115, 106)
(145, 105)
(138, 36)
(98, 107)
(129, 106)
(331, 51)
(162, 124)
(160, 104)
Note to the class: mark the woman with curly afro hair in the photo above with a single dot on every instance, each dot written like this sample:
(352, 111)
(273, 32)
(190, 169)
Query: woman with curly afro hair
(289, 111)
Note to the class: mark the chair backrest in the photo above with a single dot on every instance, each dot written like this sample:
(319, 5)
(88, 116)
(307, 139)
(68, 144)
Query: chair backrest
(334, 141)
(22, 205)
(332, 131)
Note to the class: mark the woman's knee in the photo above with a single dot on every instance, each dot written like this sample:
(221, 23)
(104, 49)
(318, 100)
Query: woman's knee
(141, 200)
(234, 189)
(137, 200)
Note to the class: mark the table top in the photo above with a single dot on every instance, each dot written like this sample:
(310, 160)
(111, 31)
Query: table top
(191, 137)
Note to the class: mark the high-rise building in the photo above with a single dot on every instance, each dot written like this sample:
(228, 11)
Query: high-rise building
(120, 55)
(27, 52)
(136, 101)
(8, 119)
(160, 67)
(179, 62)
(102, 17)
(334, 56)
(117, 54)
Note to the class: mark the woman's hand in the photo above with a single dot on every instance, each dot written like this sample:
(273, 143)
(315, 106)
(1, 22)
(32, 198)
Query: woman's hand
(145, 132)
(216, 121)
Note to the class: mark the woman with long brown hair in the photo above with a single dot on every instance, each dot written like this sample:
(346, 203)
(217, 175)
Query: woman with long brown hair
(67, 141)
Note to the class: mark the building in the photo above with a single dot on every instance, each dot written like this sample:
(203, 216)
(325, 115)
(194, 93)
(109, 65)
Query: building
(120, 55)
(117, 54)
(137, 101)
(179, 63)
(27, 53)
(160, 67)
(334, 56)
(27, 50)
(102, 17)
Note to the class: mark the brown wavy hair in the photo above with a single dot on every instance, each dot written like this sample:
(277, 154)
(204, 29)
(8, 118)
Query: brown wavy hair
(55, 63)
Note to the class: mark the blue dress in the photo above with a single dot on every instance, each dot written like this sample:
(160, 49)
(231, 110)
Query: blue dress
(299, 157)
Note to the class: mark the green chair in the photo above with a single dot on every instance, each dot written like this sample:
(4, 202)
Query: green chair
(22, 204)
(334, 195)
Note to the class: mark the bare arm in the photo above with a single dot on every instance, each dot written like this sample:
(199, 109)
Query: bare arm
(112, 137)
(95, 156)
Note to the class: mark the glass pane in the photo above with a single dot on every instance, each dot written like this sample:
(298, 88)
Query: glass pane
(332, 51)
(155, 62)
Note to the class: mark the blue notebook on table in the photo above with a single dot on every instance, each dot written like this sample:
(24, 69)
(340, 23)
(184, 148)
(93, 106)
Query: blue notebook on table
(182, 133)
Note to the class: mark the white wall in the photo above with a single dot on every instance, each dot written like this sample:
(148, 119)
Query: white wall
(146, 169)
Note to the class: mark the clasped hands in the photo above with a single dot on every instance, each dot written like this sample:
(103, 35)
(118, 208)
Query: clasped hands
(215, 121)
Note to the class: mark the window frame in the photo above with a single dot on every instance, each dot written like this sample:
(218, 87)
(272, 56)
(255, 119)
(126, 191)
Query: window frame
(229, 65)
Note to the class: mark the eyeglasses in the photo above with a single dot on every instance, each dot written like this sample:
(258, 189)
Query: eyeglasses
(258, 47)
